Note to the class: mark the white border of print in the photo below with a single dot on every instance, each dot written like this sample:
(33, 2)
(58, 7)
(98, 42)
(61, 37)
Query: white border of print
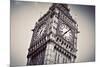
(89, 2)
(5, 32)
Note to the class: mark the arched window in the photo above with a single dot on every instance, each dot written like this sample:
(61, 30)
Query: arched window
(66, 45)
(62, 43)
(57, 39)
(60, 40)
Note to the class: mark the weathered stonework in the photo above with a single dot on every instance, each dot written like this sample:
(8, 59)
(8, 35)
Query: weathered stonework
(54, 38)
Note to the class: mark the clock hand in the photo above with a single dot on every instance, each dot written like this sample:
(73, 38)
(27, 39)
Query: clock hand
(66, 32)
(41, 31)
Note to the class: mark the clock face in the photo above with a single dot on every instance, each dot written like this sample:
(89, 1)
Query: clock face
(69, 36)
(41, 31)
(63, 29)
(66, 32)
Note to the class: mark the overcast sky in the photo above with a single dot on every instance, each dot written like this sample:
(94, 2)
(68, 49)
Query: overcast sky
(24, 15)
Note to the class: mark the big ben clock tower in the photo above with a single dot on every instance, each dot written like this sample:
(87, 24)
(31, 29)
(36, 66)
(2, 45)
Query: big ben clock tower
(54, 38)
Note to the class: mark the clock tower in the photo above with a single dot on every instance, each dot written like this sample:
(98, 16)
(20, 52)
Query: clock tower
(54, 39)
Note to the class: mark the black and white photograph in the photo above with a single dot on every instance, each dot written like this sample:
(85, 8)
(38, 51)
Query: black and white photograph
(44, 33)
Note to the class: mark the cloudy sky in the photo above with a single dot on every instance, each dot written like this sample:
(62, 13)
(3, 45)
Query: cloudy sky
(24, 15)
